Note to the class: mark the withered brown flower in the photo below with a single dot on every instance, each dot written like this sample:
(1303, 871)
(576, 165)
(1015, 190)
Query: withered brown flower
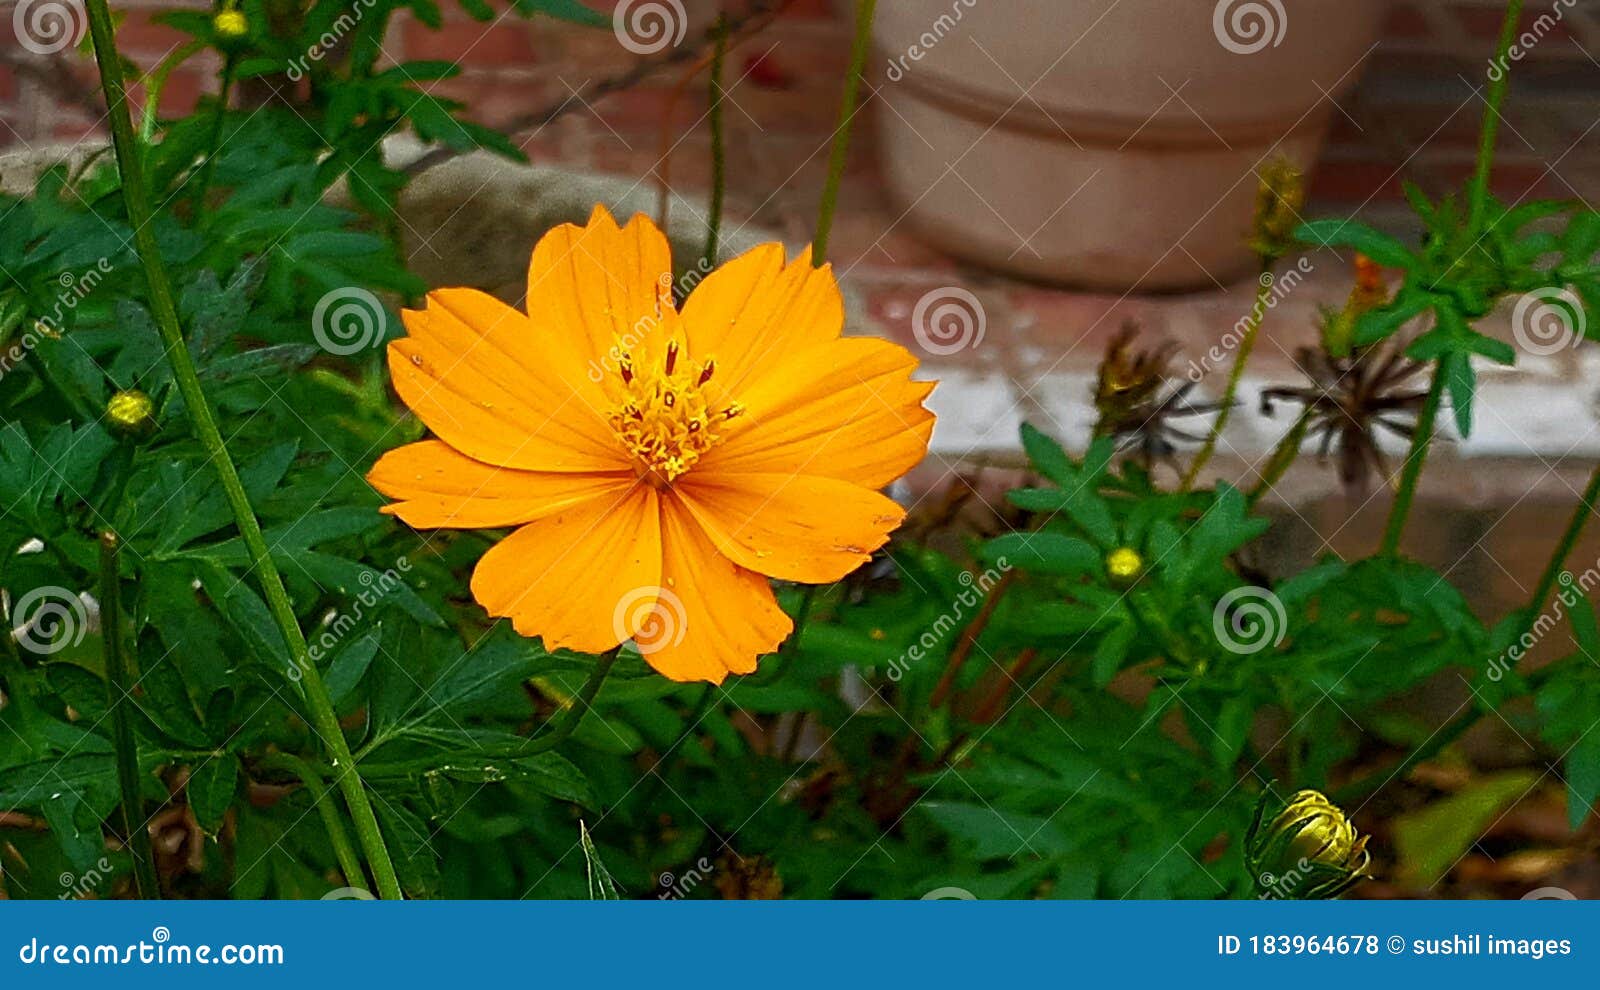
(1138, 404)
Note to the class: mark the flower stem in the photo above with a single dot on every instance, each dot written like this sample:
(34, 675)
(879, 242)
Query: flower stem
(563, 725)
(719, 155)
(1421, 441)
(315, 693)
(119, 688)
(1477, 196)
(1490, 132)
(1258, 312)
(343, 851)
(1283, 456)
(1558, 558)
(214, 141)
(841, 134)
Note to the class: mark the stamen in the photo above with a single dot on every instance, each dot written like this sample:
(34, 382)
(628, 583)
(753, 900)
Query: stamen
(672, 355)
(706, 372)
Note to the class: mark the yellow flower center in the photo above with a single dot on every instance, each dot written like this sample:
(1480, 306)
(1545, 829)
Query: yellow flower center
(665, 419)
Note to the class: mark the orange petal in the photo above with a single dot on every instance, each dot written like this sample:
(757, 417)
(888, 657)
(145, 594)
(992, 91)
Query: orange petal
(605, 289)
(583, 578)
(713, 617)
(846, 409)
(437, 486)
(795, 527)
(755, 310)
(474, 371)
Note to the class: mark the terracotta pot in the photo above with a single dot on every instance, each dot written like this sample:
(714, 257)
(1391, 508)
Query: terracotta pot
(1108, 146)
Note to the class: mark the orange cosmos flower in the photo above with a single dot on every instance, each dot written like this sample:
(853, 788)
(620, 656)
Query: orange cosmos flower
(659, 465)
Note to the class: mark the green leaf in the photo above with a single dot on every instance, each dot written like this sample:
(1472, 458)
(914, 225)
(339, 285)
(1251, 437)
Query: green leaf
(1583, 779)
(211, 787)
(1430, 840)
(1375, 244)
(1046, 553)
(1461, 382)
(1047, 456)
(1111, 651)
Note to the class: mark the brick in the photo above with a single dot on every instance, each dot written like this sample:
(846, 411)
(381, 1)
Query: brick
(507, 42)
(1407, 21)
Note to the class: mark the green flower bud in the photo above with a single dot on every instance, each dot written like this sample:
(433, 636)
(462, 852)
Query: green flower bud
(1307, 850)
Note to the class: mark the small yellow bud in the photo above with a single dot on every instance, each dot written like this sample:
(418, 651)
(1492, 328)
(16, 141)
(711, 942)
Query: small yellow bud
(230, 25)
(130, 411)
(1124, 565)
(1308, 850)
(1279, 201)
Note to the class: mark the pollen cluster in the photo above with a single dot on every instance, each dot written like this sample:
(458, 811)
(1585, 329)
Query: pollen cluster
(666, 419)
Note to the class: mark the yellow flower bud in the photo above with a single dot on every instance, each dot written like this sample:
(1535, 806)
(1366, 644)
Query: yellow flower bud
(230, 25)
(1124, 565)
(1279, 201)
(130, 411)
(1308, 850)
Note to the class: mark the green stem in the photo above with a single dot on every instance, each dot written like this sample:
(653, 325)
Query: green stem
(136, 198)
(841, 135)
(1421, 441)
(1258, 313)
(1489, 134)
(1283, 456)
(719, 155)
(1563, 550)
(214, 141)
(119, 691)
(343, 851)
(156, 82)
(559, 728)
